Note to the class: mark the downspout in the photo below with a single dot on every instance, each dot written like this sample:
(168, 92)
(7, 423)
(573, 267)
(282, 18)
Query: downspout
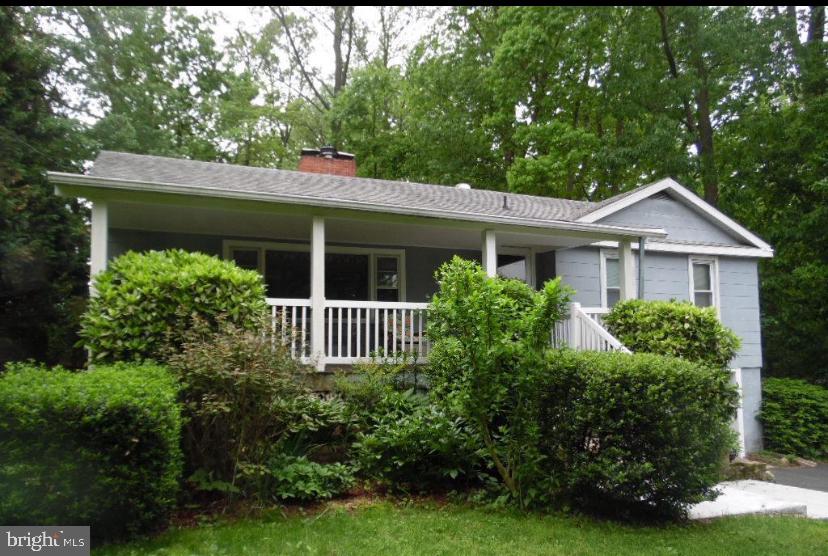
(641, 257)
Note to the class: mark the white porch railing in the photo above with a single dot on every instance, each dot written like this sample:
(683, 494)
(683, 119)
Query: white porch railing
(357, 329)
(354, 330)
(291, 319)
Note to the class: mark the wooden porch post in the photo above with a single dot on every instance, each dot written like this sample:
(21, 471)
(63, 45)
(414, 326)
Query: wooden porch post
(489, 252)
(317, 292)
(627, 269)
(98, 248)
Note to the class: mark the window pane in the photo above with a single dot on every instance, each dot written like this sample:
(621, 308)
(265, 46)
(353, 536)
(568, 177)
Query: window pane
(388, 295)
(703, 299)
(613, 278)
(613, 296)
(246, 258)
(346, 276)
(386, 279)
(701, 276)
(387, 263)
(287, 273)
(387, 273)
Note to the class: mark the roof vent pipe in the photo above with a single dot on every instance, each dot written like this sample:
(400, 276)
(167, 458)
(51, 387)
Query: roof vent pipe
(463, 186)
(505, 202)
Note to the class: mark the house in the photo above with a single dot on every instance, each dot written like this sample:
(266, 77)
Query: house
(361, 253)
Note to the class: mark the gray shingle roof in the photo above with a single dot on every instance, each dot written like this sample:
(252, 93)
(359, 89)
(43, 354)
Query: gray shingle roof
(264, 181)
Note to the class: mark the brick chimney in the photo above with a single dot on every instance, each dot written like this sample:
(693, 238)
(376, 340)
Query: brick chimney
(327, 160)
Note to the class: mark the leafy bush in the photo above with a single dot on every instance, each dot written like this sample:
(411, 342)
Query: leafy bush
(366, 388)
(795, 417)
(286, 477)
(488, 338)
(238, 388)
(413, 444)
(98, 447)
(679, 329)
(633, 433)
(145, 302)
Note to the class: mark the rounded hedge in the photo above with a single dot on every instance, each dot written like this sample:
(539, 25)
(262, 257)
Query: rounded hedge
(794, 417)
(145, 301)
(675, 328)
(633, 434)
(99, 448)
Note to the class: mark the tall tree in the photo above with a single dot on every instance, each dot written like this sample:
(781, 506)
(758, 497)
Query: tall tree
(43, 239)
(147, 75)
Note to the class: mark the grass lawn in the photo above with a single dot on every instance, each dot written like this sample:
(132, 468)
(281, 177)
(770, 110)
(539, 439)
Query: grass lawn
(385, 528)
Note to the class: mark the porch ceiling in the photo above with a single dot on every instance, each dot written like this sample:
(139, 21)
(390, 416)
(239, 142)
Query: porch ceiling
(292, 226)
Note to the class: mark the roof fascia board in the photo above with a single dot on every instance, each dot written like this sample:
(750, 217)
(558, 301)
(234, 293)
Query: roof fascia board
(690, 198)
(95, 187)
(695, 249)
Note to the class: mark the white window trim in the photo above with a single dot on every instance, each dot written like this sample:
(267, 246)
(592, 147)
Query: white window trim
(373, 252)
(602, 273)
(714, 279)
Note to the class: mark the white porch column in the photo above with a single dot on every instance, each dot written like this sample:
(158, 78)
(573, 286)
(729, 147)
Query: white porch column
(489, 252)
(98, 248)
(626, 268)
(317, 292)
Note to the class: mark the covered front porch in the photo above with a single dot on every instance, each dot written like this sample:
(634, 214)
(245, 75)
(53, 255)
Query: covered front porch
(343, 285)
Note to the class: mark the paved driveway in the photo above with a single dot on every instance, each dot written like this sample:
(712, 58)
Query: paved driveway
(814, 478)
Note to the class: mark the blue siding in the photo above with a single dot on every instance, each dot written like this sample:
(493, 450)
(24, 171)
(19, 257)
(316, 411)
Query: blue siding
(579, 268)
(679, 221)
(739, 296)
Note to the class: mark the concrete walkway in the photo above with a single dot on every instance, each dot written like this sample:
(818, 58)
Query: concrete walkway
(759, 497)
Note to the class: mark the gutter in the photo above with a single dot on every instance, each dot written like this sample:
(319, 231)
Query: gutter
(117, 184)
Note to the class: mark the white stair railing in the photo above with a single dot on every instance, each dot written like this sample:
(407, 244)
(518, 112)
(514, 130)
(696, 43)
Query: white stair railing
(582, 331)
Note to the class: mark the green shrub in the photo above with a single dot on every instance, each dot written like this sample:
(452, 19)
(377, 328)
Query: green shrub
(488, 338)
(795, 417)
(678, 329)
(633, 433)
(286, 477)
(413, 444)
(238, 390)
(99, 447)
(145, 302)
(367, 388)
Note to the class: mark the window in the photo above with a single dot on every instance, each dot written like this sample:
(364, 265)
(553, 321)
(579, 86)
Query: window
(346, 276)
(351, 273)
(246, 258)
(703, 282)
(610, 279)
(388, 278)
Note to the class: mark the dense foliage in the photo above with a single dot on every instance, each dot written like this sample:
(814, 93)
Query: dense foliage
(401, 437)
(145, 302)
(633, 433)
(99, 447)
(296, 478)
(673, 328)
(794, 417)
(238, 390)
(43, 239)
(488, 337)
